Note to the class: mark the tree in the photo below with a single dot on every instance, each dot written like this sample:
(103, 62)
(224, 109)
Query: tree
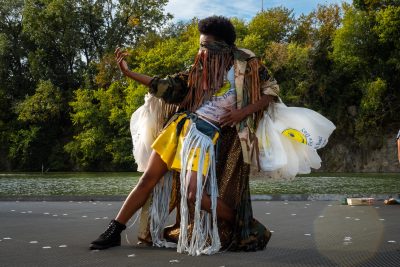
(35, 114)
(366, 49)
(373, 5)
(15, 79)
(42, 107)
(101, 116)
(271, 25)
(57, 68)
(66, 44)
(240, 28)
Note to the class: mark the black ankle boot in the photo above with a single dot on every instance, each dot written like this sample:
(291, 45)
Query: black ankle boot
(110, 238)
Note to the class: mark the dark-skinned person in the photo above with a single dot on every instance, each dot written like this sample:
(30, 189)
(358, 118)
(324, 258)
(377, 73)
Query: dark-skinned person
(195, 138)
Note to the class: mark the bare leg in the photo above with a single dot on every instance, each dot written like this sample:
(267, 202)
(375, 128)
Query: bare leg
(224, 212)
(138, 196)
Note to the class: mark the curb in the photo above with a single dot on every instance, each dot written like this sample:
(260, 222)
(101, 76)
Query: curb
(278, 197)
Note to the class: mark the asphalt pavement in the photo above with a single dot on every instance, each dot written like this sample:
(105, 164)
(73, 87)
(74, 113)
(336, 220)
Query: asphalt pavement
(305, 233)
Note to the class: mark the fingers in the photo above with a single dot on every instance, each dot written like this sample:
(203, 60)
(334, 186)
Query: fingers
(230, 118)
(117, 53)
(228, 123)
(120, 54)
(226, 120)
(229, 110)
(121, 57)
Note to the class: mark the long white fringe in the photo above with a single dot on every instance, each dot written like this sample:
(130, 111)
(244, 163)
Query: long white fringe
(204, 237)
(132, 224)
(159, 211)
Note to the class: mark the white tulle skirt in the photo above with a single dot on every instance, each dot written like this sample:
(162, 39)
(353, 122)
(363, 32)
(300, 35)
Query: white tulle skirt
(144, 128)
(288, 139)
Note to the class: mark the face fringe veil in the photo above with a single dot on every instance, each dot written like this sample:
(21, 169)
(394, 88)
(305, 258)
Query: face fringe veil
(207, 74)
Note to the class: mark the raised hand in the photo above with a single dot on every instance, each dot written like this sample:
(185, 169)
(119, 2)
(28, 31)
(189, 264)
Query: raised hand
(120, 56)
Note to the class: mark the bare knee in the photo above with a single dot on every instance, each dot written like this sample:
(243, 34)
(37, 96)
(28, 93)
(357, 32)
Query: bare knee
(192, 195)
(192, 188)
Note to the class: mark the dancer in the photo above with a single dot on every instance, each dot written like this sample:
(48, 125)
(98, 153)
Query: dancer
(200, 160)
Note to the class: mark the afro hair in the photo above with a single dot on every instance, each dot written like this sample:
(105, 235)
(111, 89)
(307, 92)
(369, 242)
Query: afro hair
(219, 27)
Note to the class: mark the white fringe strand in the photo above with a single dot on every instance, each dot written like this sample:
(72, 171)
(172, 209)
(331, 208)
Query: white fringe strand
(159, 211)
(132, 224)
(204, 237)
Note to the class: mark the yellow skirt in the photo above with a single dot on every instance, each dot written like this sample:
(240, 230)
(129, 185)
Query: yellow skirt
(169, 145)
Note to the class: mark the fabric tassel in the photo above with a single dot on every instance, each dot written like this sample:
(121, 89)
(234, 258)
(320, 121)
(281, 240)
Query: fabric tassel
(253, 85)
(204, 236)
(159, 211)
(132, 224)
(207, 74)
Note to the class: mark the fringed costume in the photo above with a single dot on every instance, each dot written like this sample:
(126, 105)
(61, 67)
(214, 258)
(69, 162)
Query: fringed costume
(190, 141)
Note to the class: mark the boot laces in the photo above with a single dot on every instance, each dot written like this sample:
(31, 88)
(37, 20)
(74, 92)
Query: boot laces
(109, 231)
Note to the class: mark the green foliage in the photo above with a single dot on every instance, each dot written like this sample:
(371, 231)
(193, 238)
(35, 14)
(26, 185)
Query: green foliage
(302, 66)
(372, 99)
(373, 5)
(276, 56)
(240, 28)
(49, 49)
(366, 49)
(102, 116)
(168, 55)
(303, 30)
(253, 42)
(273, 24)
(387, 27)
(371, 110)
(57, 68)
(352, 41)
(134, 97)
(388, 24)
(290, 60)
(44, 106)
(87, 147)
(21, 142)
(53, 27)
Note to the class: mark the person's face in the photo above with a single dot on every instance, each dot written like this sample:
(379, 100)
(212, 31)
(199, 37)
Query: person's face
(205, 39)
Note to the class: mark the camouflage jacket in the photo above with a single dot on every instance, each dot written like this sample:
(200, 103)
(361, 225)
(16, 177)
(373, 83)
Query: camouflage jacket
(173, 88)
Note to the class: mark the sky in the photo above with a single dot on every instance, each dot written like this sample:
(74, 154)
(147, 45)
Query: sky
(244, 9)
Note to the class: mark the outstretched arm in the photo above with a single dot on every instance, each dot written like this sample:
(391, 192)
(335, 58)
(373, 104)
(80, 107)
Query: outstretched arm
(123, 66)
(171, 89)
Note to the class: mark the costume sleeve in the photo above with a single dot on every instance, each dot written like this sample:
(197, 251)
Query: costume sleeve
(172, 89)
(269, 86)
